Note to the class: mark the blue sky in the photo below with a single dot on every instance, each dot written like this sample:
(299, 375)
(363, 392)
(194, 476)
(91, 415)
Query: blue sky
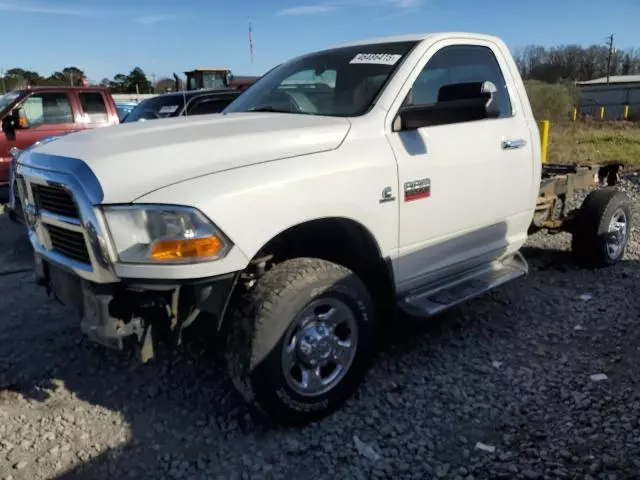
(165, 36)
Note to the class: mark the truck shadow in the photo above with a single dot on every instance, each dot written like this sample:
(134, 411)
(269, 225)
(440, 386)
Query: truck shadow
(177, 415)
(15, 251)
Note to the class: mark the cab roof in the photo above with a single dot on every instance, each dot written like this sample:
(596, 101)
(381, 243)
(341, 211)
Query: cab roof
(418, 37)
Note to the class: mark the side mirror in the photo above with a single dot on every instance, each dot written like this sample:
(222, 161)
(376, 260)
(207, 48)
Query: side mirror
(458, 102)
(18, 119)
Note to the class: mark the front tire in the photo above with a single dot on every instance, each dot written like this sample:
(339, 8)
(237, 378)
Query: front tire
(300, 341)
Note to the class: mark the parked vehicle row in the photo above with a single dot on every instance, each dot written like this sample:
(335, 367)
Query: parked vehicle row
(32, 114)
(23, 128)
(176, 104)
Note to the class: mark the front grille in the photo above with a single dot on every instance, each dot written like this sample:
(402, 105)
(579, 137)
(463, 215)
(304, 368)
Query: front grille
(69, 243)
(55, 200)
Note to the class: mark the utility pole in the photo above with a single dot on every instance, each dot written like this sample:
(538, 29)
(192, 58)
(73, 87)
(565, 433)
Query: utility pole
(250, 48)
(610, 44)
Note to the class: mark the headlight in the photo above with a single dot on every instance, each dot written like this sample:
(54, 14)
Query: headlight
(164, 234)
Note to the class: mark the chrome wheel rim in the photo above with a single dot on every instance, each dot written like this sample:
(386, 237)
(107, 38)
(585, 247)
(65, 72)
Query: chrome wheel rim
(319, 347)
(617, 233)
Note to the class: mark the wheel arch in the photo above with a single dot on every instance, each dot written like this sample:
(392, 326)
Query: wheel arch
(336, 239)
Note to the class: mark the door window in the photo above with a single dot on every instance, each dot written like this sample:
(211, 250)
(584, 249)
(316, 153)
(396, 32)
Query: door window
(460, 64)
(94, 108)
(48, 108)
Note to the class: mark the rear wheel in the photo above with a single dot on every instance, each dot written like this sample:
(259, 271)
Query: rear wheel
(301, 340)
(602, 228)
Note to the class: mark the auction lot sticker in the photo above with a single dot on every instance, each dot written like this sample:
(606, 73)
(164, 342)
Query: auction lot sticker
(376, 58)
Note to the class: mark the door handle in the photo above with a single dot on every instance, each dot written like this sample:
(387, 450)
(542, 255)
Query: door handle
(513, 144)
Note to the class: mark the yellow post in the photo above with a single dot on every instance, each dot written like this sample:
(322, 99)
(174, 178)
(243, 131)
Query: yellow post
(544, 139)
(574, 113)
(601, 114)
(625, 113)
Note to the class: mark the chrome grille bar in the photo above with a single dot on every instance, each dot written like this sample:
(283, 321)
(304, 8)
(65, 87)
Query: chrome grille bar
(64, 226)
(55, 200)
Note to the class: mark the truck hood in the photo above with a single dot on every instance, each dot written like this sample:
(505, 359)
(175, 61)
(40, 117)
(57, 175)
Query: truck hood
(131, 160)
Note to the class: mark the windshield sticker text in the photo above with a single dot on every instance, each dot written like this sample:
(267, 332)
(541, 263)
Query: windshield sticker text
(376, 58)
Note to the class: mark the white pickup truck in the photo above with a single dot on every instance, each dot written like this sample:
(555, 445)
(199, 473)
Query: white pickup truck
(343, 187)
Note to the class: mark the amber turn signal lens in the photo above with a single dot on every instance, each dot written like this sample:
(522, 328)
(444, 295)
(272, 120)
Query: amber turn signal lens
(187, 248)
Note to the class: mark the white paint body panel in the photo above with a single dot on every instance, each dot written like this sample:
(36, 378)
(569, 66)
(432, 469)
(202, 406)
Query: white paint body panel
(256, 175)
(252, 205)
(162, 152)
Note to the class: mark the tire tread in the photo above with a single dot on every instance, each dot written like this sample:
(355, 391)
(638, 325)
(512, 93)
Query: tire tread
(255, 308)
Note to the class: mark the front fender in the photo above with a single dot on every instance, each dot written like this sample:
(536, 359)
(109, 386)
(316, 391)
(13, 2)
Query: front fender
(254, 204)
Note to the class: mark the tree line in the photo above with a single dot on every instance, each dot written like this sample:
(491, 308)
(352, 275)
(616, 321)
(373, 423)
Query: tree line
(135, 81)
(569, 63)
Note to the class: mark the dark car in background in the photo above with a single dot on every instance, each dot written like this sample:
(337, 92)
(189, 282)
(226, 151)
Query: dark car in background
(176, 104)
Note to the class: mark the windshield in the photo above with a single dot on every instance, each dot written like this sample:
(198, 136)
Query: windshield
(340, 82)
(124, 110)
(210, 80)
(7, 99)
(155, 108)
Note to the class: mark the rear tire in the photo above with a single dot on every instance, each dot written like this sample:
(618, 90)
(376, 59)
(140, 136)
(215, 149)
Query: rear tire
(300, 341)
(602, 228)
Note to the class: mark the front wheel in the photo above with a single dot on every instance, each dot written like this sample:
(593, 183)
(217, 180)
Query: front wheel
(300, 341)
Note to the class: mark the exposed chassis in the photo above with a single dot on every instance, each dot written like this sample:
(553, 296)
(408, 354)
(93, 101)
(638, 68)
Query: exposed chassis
(557, 186)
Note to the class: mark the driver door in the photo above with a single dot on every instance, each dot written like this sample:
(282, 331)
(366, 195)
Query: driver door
(47, 114)
(469, 188)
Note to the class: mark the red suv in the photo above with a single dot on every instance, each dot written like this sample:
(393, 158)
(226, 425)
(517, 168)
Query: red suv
(35, 113)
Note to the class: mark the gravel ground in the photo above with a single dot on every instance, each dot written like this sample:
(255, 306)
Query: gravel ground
(502, 387)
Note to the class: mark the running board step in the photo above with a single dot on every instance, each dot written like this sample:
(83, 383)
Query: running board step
(451, 291)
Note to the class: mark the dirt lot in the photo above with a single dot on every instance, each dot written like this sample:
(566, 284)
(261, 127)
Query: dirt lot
(499, 388)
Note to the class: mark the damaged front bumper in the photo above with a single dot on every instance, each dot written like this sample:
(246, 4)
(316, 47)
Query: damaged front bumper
(143, 311)
(75, 263)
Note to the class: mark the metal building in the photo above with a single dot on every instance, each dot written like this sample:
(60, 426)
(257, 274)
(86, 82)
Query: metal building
(622, 90)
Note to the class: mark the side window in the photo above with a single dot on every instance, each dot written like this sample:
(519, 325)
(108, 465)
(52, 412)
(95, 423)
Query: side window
(48, 108)
(93, 106)
(208, 105)
(460, 64)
